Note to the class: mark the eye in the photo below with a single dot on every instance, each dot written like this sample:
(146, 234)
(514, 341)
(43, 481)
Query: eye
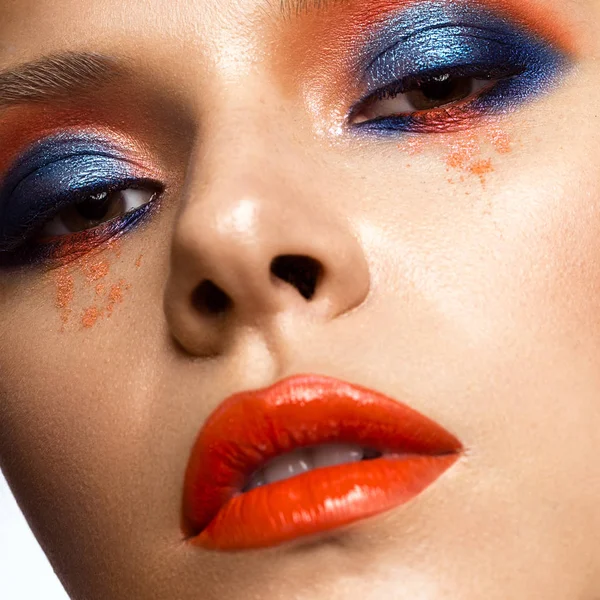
(404, 99)
(441, 66)
(95, 210)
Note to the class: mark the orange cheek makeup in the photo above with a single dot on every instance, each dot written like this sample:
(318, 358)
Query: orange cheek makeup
(468, 153)
(86, 279)
(110, 299)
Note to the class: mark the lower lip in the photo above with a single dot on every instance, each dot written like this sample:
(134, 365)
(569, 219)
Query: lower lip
(320, 500)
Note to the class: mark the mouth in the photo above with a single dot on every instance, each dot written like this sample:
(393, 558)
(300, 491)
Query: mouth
(307, 455)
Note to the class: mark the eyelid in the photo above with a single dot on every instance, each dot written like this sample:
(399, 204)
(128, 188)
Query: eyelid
(62, 146)
(473, 71)
(73, 246)
(131, 199)
(408, 84)
(443, 27)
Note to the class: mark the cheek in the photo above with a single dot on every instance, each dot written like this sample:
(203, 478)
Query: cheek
(62, 329)
(77, 402)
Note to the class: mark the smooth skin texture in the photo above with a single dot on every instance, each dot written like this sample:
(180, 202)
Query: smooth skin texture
(476, 302)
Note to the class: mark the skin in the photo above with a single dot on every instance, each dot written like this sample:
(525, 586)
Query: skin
(475, 301)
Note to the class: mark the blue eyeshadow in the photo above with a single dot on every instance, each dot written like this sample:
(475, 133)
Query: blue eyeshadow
(430, 39)
(54, 174)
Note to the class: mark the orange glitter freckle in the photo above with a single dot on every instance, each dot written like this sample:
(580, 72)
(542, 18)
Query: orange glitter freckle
(116, 296)
(65, 292)
(100, 289)
(465, 153)
(415, 145)
(501, 142)
(90, 317)
(116, 293)
(115, 246)
(481, 167)
(96, 271)
(138, 262)
(462, 152)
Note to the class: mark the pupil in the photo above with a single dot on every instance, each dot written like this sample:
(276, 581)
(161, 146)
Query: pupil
(96, 207)
(441, 88)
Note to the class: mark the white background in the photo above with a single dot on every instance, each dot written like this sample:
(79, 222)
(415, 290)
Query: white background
(25, 574)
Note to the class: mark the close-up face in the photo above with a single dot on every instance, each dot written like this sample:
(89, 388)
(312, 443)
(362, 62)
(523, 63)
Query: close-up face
(300, 298)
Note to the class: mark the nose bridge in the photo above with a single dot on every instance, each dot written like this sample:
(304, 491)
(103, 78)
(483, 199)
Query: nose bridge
(256, 237)
(247, 121)
(251, 141)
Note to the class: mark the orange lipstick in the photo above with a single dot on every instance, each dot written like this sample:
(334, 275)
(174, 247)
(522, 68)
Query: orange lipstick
(229, 503)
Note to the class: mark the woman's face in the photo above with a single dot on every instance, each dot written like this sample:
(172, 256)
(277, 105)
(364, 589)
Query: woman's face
(435, 162)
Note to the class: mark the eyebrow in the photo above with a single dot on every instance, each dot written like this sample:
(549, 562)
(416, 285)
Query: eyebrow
(55, 77)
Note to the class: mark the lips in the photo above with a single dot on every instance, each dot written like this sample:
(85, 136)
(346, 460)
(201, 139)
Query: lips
(229, 502)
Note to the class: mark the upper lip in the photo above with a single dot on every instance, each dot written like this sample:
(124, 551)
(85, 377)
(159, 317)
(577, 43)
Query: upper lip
(250, 428)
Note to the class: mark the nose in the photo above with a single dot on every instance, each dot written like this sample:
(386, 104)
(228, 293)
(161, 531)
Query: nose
(249, 246)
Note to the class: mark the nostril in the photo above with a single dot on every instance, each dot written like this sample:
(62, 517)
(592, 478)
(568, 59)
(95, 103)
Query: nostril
(211, 299)
(302, 272)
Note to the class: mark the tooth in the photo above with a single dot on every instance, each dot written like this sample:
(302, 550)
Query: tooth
(328, 455)
(288, 465)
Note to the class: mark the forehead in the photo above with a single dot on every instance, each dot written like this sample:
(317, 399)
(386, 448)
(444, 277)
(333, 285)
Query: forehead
(73, 23)
(126, 27)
